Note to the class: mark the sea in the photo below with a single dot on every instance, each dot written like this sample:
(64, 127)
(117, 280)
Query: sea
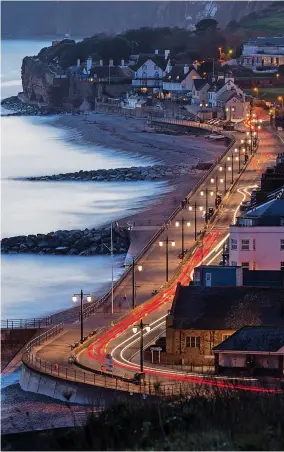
(36, 285)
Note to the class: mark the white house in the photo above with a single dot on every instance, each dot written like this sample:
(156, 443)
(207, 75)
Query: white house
(199, 92)
(150, 70)
(224, 82)
(257, 239)
(263, 52)
(232, 105)
(180, 79)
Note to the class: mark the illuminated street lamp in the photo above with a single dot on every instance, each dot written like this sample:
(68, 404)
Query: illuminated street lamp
(177, 223)
(75, 299)
(230, 109)
(195, 217)
(140, 268)
(141, 326)
(256, 90)
(220, 52)
(281, 99)
(173, 243)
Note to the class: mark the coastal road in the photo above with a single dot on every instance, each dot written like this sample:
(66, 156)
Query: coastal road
(120, 340)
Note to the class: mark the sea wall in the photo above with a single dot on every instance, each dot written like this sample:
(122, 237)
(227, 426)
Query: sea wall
(75, 242)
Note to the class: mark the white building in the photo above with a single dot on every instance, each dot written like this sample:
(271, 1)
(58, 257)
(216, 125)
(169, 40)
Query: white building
(150, 71)
(224, 82)
(257, 239)
(199, 92)
(263, 52)
(180, 79)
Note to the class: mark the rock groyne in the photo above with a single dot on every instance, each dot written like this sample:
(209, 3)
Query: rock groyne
(125, 174)
(74, 242)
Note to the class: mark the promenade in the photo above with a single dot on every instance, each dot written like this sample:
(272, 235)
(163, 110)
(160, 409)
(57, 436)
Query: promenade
(153, 261)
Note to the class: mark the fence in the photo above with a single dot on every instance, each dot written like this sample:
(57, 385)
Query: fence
(44, 337)
(26, 323)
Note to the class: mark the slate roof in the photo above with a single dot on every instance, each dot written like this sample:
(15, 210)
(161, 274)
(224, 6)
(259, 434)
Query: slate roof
(112, 71)
(177, 75)
(226, 308)
(267, 41)
(228, 95)
(199, 83)
(158, 60)
(269, 213)
(254, 339)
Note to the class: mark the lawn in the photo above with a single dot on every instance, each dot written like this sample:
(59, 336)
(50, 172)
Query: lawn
(268, 94)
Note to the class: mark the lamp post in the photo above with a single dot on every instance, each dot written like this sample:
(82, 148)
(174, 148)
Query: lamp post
(135, 328)
(161, 243)
(238, 157)
(231, 168)
(195, 217)
(206, 204)
(281, 99)
(140, 268)
(75, 298)
(182, 233)
(225, 176)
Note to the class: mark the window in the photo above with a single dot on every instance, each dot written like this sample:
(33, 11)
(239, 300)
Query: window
(144, 74)
(234, 263)
(193, 341)
(245, 245)
(234, 244)
(282, 244)
(225, 336)
(144, 67)
(245, 265)
(282, 266)
(253, 244)
(156, 68)
(156, 74)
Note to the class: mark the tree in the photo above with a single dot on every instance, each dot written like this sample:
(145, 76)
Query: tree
(206, 25)
(233, 25)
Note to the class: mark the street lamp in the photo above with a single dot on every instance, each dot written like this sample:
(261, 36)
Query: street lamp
(135, 328)
(239, 157)
(195, 217)
(220, 52)
(161, 243)
(75, 298)
(177, 223)
(281, 98)
(256, 91)
(140, 268)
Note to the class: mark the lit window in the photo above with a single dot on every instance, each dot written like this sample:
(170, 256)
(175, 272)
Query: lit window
(193, 341)
(282, 244)
(245, 245)
(246, 265)
(234, 244)
(177, 77)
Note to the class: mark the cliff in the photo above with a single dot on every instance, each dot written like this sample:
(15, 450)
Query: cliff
(24, 19)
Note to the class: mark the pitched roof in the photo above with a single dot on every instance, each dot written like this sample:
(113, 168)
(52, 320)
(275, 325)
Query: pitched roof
(267, 41)
(254, 339)
(226, 308)
(157, 59)
(199, 83)
(269, 213)
(228, 95)
(215, 86)
(110, 71)
(177, 75)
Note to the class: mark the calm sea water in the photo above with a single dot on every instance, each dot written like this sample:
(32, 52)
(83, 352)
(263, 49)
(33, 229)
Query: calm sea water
(36, 285)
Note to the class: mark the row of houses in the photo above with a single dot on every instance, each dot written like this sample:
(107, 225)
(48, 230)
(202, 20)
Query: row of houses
(155, 75)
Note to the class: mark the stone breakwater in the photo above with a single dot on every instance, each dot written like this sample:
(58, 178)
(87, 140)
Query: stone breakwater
(125, 174)
(75, 242)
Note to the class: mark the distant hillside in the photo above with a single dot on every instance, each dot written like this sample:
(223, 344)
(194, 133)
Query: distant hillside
(30, 19)
(269, 21)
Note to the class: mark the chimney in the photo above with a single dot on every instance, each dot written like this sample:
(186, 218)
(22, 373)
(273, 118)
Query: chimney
(101, 63)
(110, 62)
(89, 63)
(122, 62)
(167, 52)
(186, 69)
(78, 62)
(157, 52)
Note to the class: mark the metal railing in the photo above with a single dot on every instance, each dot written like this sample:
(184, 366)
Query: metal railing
(26, 323)
(44, 337)
(145, 387)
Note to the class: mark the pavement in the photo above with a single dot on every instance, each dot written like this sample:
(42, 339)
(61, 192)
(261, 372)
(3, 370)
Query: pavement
(119, 340)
